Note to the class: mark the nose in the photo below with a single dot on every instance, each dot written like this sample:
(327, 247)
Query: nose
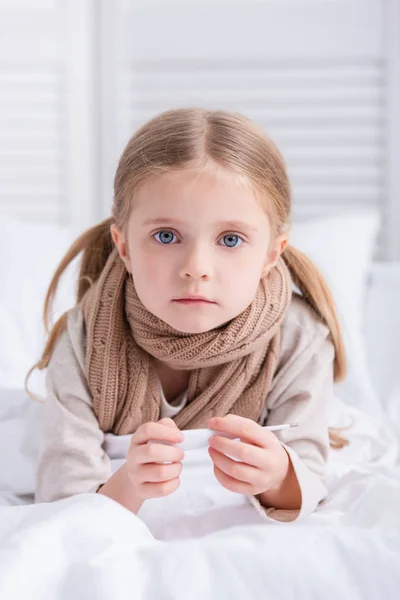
(196, 264)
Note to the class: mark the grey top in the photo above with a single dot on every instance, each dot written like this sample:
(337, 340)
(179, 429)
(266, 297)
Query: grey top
(73, 460)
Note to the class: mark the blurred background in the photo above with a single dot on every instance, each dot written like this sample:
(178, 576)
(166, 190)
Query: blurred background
(321, 77)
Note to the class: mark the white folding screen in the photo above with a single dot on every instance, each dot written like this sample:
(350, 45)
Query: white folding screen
(319, 76)
(31, 111)
(47, 115)
(77, 77)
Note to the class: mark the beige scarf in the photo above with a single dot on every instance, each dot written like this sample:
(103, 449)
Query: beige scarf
(231, 366)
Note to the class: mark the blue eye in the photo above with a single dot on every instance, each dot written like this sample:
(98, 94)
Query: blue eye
(166, 236)
(231, 240)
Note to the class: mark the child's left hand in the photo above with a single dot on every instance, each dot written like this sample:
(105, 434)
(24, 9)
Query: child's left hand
(264, 461)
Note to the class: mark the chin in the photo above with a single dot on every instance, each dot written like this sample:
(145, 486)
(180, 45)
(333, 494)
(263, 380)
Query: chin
(192, 325)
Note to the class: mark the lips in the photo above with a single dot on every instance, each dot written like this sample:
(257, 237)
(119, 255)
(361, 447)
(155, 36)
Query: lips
(193, 300)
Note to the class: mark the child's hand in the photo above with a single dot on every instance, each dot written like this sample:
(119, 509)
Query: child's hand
(264, 461)
(150, 479)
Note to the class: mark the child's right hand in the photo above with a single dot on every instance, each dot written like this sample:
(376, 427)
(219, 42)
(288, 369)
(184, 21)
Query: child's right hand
(148, 478)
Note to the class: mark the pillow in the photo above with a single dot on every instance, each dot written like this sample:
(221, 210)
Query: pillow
(382, 332)
(29, 255)
(342, 247)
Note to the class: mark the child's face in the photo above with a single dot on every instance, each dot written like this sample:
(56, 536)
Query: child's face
(179, 242)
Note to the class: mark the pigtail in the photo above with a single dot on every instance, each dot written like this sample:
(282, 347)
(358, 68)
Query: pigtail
(96, 245)
(315, 291)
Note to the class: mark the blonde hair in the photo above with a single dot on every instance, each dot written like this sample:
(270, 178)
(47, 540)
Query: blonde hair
(194, 138)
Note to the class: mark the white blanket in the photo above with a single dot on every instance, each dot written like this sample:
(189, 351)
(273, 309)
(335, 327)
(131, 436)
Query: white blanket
(202, 541)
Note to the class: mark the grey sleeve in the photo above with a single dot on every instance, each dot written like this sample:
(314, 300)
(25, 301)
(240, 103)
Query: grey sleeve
(71, 459)
(302, 393)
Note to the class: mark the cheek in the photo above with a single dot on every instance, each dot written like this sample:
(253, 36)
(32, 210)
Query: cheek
(241, 281)
(148, 270)
(246, 267)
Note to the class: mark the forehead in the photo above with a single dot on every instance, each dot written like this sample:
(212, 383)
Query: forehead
(214, 195)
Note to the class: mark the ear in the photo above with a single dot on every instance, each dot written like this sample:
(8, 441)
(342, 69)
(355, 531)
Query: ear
(274, 253)
(119, 240)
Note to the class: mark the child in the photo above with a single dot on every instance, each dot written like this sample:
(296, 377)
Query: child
(185, 318)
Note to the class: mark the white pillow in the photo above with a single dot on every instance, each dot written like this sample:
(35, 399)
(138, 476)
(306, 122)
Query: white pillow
(342, 248)
(29, 255)
(382, 331)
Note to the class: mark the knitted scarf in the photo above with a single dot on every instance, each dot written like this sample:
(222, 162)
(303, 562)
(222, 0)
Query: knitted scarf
(231, 366)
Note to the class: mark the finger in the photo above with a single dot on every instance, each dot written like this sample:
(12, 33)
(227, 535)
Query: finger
(168, 423)
(240, 427)
(231, 484)
(157, 431)
(236, 470)
(155, 490)
(151, 453)
(246, 453)
(158, 473)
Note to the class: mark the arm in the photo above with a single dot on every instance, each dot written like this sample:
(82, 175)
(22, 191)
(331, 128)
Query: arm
(71, 459)
(302, 393)
(119, 488)
(287, 496)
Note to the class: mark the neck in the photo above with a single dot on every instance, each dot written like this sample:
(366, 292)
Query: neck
(173, 381)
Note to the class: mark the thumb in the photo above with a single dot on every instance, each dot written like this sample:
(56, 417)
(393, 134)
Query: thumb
(168, 422)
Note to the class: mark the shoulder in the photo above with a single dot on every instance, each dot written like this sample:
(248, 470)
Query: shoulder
(70, 347)
(65, 374)
(302, 331)
(76, 326)
(306, 355)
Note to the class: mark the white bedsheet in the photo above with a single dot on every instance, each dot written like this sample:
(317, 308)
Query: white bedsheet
(202, 541)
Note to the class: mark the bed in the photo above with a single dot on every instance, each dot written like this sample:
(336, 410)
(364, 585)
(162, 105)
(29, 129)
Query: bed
(204, 538)
(340, 134)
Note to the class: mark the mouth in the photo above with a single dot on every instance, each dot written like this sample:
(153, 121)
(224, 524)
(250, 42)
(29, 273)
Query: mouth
(193, 300)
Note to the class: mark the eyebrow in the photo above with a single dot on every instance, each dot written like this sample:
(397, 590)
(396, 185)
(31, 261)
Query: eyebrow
(169, 221)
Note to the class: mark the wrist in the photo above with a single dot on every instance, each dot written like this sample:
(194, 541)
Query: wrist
(119, 487)
(287, 494)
